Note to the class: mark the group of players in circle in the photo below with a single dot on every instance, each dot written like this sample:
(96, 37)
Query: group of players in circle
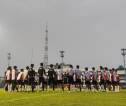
(102, 79)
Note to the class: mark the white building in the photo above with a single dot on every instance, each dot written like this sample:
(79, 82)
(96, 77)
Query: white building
(122, 74)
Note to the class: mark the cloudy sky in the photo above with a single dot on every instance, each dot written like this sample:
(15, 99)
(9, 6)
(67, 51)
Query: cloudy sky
(91, 32)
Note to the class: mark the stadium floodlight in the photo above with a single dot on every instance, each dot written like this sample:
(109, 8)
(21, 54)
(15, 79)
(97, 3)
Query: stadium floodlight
(62, 56)
(124, 54)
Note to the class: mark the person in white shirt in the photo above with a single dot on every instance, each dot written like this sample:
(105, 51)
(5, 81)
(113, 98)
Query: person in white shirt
(20, 80)
(8, 79)
(71, 74)
(116, 81)
(59, 73)
(94, 82)
(25, 77)
(14, 77)
(78, 75)
(105, 75)
(87, 79)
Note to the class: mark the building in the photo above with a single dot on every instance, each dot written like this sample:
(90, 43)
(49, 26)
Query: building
(122, 75)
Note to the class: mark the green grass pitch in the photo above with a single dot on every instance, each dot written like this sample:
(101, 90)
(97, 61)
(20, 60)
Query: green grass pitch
(58, 98)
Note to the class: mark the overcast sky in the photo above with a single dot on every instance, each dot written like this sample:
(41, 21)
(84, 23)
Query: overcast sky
(91, 32)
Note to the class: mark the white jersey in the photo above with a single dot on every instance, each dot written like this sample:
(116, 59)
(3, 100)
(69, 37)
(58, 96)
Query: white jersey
(111, 77)
(8, 75)
(25, 74)
(78, 73)
(99, 73)
(105, 75)
(91, 75)
(83, 75)
(20, 75)
(71, 72)
(13, 76)
(59, 74)
(115, 76)
(87, 75)
(94, 75)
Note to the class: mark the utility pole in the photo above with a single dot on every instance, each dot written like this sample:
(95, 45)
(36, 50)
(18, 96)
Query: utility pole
(9, 58)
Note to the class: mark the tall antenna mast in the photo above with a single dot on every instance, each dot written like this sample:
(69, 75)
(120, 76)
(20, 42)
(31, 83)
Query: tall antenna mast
(46, 48)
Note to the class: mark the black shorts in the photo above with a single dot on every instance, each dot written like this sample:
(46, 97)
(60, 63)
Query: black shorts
(101, 82)
(109, 82)
(118, 83)
(51, 81)
(65, 80)
(25, 82)
(94, 82)
(31, 80)
(59, 81)
(8, 81)
(41, 80)
(20, 82)
(78, 81)
(70, 80)
(87, 82)
(13, 82)
(115, 82)
(106, 82)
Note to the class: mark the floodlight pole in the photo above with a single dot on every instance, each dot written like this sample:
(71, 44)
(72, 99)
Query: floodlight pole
(124, 54)
(62, 57)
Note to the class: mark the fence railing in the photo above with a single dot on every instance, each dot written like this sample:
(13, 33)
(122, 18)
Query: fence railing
(2, 82)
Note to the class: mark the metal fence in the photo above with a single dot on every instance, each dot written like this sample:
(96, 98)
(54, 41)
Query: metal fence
(2, 82)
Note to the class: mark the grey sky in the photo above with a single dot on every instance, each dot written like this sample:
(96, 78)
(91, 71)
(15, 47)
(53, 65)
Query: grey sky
(92, 32)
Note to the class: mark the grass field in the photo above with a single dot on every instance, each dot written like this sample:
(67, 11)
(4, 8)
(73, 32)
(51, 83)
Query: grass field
(58, 98)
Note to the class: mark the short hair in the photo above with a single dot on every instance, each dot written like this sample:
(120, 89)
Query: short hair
(59, 67)
(71, 66)
(51, 65)
(78, 66)
(9, 68)
(32, 65)
(86, 68)
(41, 64)
(15, 67)
(101, 68)
(113, 69)
(93, 68)
(116, 70)
(27, 67)
(106, 68)
(22, 70)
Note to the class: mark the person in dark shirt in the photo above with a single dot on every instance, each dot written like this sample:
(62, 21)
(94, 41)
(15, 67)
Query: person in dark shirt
(78, 75)
(42, 74)
(31, 77)
(51, 77)
(71, 74)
